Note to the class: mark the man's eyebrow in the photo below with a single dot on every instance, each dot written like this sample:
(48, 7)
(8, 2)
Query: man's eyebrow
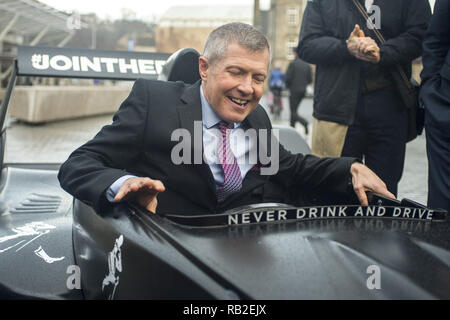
(245, 70)
(236, 67)
(261, 74)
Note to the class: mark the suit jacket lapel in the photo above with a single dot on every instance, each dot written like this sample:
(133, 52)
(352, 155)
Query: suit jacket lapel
(256, 121)
(191, 110)
(190, 114)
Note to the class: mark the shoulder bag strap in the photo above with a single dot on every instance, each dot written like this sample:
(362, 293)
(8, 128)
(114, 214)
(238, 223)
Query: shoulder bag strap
(382, 40)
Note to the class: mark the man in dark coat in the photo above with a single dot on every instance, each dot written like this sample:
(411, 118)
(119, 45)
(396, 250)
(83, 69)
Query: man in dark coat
(435, 96)
(353, 85)
(298, 76)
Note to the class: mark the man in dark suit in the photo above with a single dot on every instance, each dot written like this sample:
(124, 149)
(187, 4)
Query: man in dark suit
(435, 96)
(138, 157)
(298, 76)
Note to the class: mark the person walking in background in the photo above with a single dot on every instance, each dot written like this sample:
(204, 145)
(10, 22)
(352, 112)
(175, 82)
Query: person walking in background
(277, 78)
(435, 97)
(357, 109)
(276, 86)
(298, 76)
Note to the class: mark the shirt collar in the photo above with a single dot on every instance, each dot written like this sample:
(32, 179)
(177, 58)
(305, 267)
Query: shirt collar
(209, 116)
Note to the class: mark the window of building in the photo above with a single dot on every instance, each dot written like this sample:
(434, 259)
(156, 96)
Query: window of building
(293, 16)
(290, 45)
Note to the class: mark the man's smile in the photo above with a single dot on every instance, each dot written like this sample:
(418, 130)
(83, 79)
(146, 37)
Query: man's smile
(239, 102)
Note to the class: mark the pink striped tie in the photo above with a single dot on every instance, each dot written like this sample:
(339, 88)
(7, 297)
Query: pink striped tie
(232, 181)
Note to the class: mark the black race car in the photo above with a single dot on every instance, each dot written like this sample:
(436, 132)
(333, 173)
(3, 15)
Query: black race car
(55, 247)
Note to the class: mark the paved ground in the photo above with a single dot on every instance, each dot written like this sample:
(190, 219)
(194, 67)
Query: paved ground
(53, 142)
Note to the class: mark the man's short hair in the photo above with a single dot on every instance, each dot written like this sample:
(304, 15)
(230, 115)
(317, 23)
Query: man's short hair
(235, 32)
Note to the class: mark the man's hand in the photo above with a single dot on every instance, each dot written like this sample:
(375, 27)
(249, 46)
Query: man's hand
(362, 47)
(354, 40)
(364, 179)
(143, 191)
(369, 50)
(357, 32)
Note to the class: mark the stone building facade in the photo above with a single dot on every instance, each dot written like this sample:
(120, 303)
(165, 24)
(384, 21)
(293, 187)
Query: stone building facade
(285, 19)
(188, 27)
(181, 27)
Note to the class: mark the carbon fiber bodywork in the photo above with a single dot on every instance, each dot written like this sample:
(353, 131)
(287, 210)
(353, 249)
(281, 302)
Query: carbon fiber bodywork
(160, 259)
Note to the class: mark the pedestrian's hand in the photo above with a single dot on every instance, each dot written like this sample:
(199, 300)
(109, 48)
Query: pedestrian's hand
(368, 50)
(142, 191)
(362, 47)
(364, 180)
(373, 56)
(357, 32)
(354, 41)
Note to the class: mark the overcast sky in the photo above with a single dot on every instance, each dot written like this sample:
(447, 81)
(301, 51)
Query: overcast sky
(144, 9)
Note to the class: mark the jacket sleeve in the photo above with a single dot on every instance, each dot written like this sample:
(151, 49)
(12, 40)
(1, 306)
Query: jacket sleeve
(316, 175)
(320, 176)
(408, 45)
(309, 75)
(316, 45)
(93, 167)
(437, 41)
(289, 75)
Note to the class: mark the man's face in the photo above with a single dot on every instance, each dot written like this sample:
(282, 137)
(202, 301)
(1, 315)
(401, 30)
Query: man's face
(234, 85)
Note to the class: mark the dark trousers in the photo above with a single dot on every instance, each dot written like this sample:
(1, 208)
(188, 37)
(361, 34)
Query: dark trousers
(295, 99)
(438, 150)
(378, 135)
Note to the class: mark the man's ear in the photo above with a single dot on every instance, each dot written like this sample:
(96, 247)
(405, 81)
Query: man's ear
(203, 67)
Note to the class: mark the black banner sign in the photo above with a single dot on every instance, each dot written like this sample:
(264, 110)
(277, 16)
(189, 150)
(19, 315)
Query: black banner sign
(277, 214)
(85, 63)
